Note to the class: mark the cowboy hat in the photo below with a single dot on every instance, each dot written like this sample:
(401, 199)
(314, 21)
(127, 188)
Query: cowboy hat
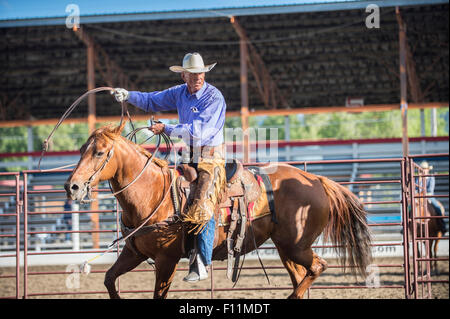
(193, 63)
(425, 165)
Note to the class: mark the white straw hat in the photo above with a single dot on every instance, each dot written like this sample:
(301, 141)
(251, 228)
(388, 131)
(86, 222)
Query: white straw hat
(193, 63)
(425, 165)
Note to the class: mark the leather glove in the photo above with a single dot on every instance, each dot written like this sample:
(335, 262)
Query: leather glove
(121, 95)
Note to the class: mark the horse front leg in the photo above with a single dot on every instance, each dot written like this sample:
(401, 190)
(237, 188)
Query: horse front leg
(165, 268)
(126, 262)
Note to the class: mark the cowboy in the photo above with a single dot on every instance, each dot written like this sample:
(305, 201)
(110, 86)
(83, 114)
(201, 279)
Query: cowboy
(430, 184)
(201, 110)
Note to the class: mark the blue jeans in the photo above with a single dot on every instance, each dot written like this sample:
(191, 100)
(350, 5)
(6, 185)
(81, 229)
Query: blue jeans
(205, 241)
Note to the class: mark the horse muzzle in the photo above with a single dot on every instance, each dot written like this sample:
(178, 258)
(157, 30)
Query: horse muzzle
(76, 190)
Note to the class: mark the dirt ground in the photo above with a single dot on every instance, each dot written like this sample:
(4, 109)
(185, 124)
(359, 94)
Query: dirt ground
(250, 284)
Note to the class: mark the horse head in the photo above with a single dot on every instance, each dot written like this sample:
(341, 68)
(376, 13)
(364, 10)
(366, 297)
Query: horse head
(97, 162)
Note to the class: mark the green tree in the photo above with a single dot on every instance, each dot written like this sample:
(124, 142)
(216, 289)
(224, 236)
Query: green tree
(67, 137)
(339, 125)
(13, 139)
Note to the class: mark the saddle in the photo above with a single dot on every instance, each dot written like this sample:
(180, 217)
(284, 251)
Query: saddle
(239, 183)
(243, 199)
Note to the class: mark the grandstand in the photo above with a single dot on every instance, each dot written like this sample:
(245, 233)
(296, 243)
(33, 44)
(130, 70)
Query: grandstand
(318, 56)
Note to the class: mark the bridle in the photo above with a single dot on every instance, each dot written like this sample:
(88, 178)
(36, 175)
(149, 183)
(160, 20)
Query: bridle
(87, 184)
(130, 135)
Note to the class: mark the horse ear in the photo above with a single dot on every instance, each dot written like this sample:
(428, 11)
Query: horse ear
(119, 129)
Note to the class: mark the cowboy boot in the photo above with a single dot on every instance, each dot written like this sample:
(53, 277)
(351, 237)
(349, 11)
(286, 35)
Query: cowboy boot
(192, 265)
(197, 269)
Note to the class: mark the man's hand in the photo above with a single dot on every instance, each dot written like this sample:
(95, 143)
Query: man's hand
(157, 128)
(121, 95)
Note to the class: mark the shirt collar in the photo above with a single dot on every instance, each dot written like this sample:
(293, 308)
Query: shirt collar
(199, 93)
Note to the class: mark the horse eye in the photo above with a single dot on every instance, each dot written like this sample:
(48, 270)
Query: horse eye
(99, 154)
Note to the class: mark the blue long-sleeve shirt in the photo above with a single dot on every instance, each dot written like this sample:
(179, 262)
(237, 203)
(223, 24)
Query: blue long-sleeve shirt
(431, 182)
(201, 115)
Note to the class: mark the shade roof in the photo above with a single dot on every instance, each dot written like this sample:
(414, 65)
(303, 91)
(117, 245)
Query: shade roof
(316, 58)
(50, 13)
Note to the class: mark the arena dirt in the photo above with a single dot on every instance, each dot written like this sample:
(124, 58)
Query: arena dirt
(251, 282)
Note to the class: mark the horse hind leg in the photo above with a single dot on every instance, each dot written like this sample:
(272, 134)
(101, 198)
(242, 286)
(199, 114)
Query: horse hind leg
(303, 273)
(126, 262)
(317, 267)
(433, 253)
(295, 271)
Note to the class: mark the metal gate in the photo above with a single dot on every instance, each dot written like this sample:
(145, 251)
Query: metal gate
(12, 230)
(417, 238)
(414, 223)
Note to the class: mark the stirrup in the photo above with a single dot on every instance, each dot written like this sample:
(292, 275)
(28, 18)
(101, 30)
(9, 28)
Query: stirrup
(197, 270)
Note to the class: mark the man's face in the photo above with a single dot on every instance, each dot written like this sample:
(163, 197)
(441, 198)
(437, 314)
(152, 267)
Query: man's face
(194, 81)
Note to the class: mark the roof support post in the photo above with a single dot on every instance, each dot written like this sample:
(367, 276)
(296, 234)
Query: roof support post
(244, 99)
(91, 124)
(90, 86)
(91, 121)
(403, 82)
(110, 71)
(90, 66)
(267, 88)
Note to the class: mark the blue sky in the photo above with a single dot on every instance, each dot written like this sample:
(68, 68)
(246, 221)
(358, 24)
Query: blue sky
(17, 9)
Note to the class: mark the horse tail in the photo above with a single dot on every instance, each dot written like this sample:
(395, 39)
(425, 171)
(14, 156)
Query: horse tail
(441, 224)
(347, 228)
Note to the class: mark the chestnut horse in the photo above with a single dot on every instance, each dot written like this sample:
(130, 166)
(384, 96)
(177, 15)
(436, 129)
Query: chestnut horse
(306, 206)
(436, 229)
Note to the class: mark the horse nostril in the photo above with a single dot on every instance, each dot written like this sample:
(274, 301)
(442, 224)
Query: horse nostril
(74, 187)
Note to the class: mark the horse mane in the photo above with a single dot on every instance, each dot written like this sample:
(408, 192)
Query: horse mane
(113, 133)
(159, 162)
